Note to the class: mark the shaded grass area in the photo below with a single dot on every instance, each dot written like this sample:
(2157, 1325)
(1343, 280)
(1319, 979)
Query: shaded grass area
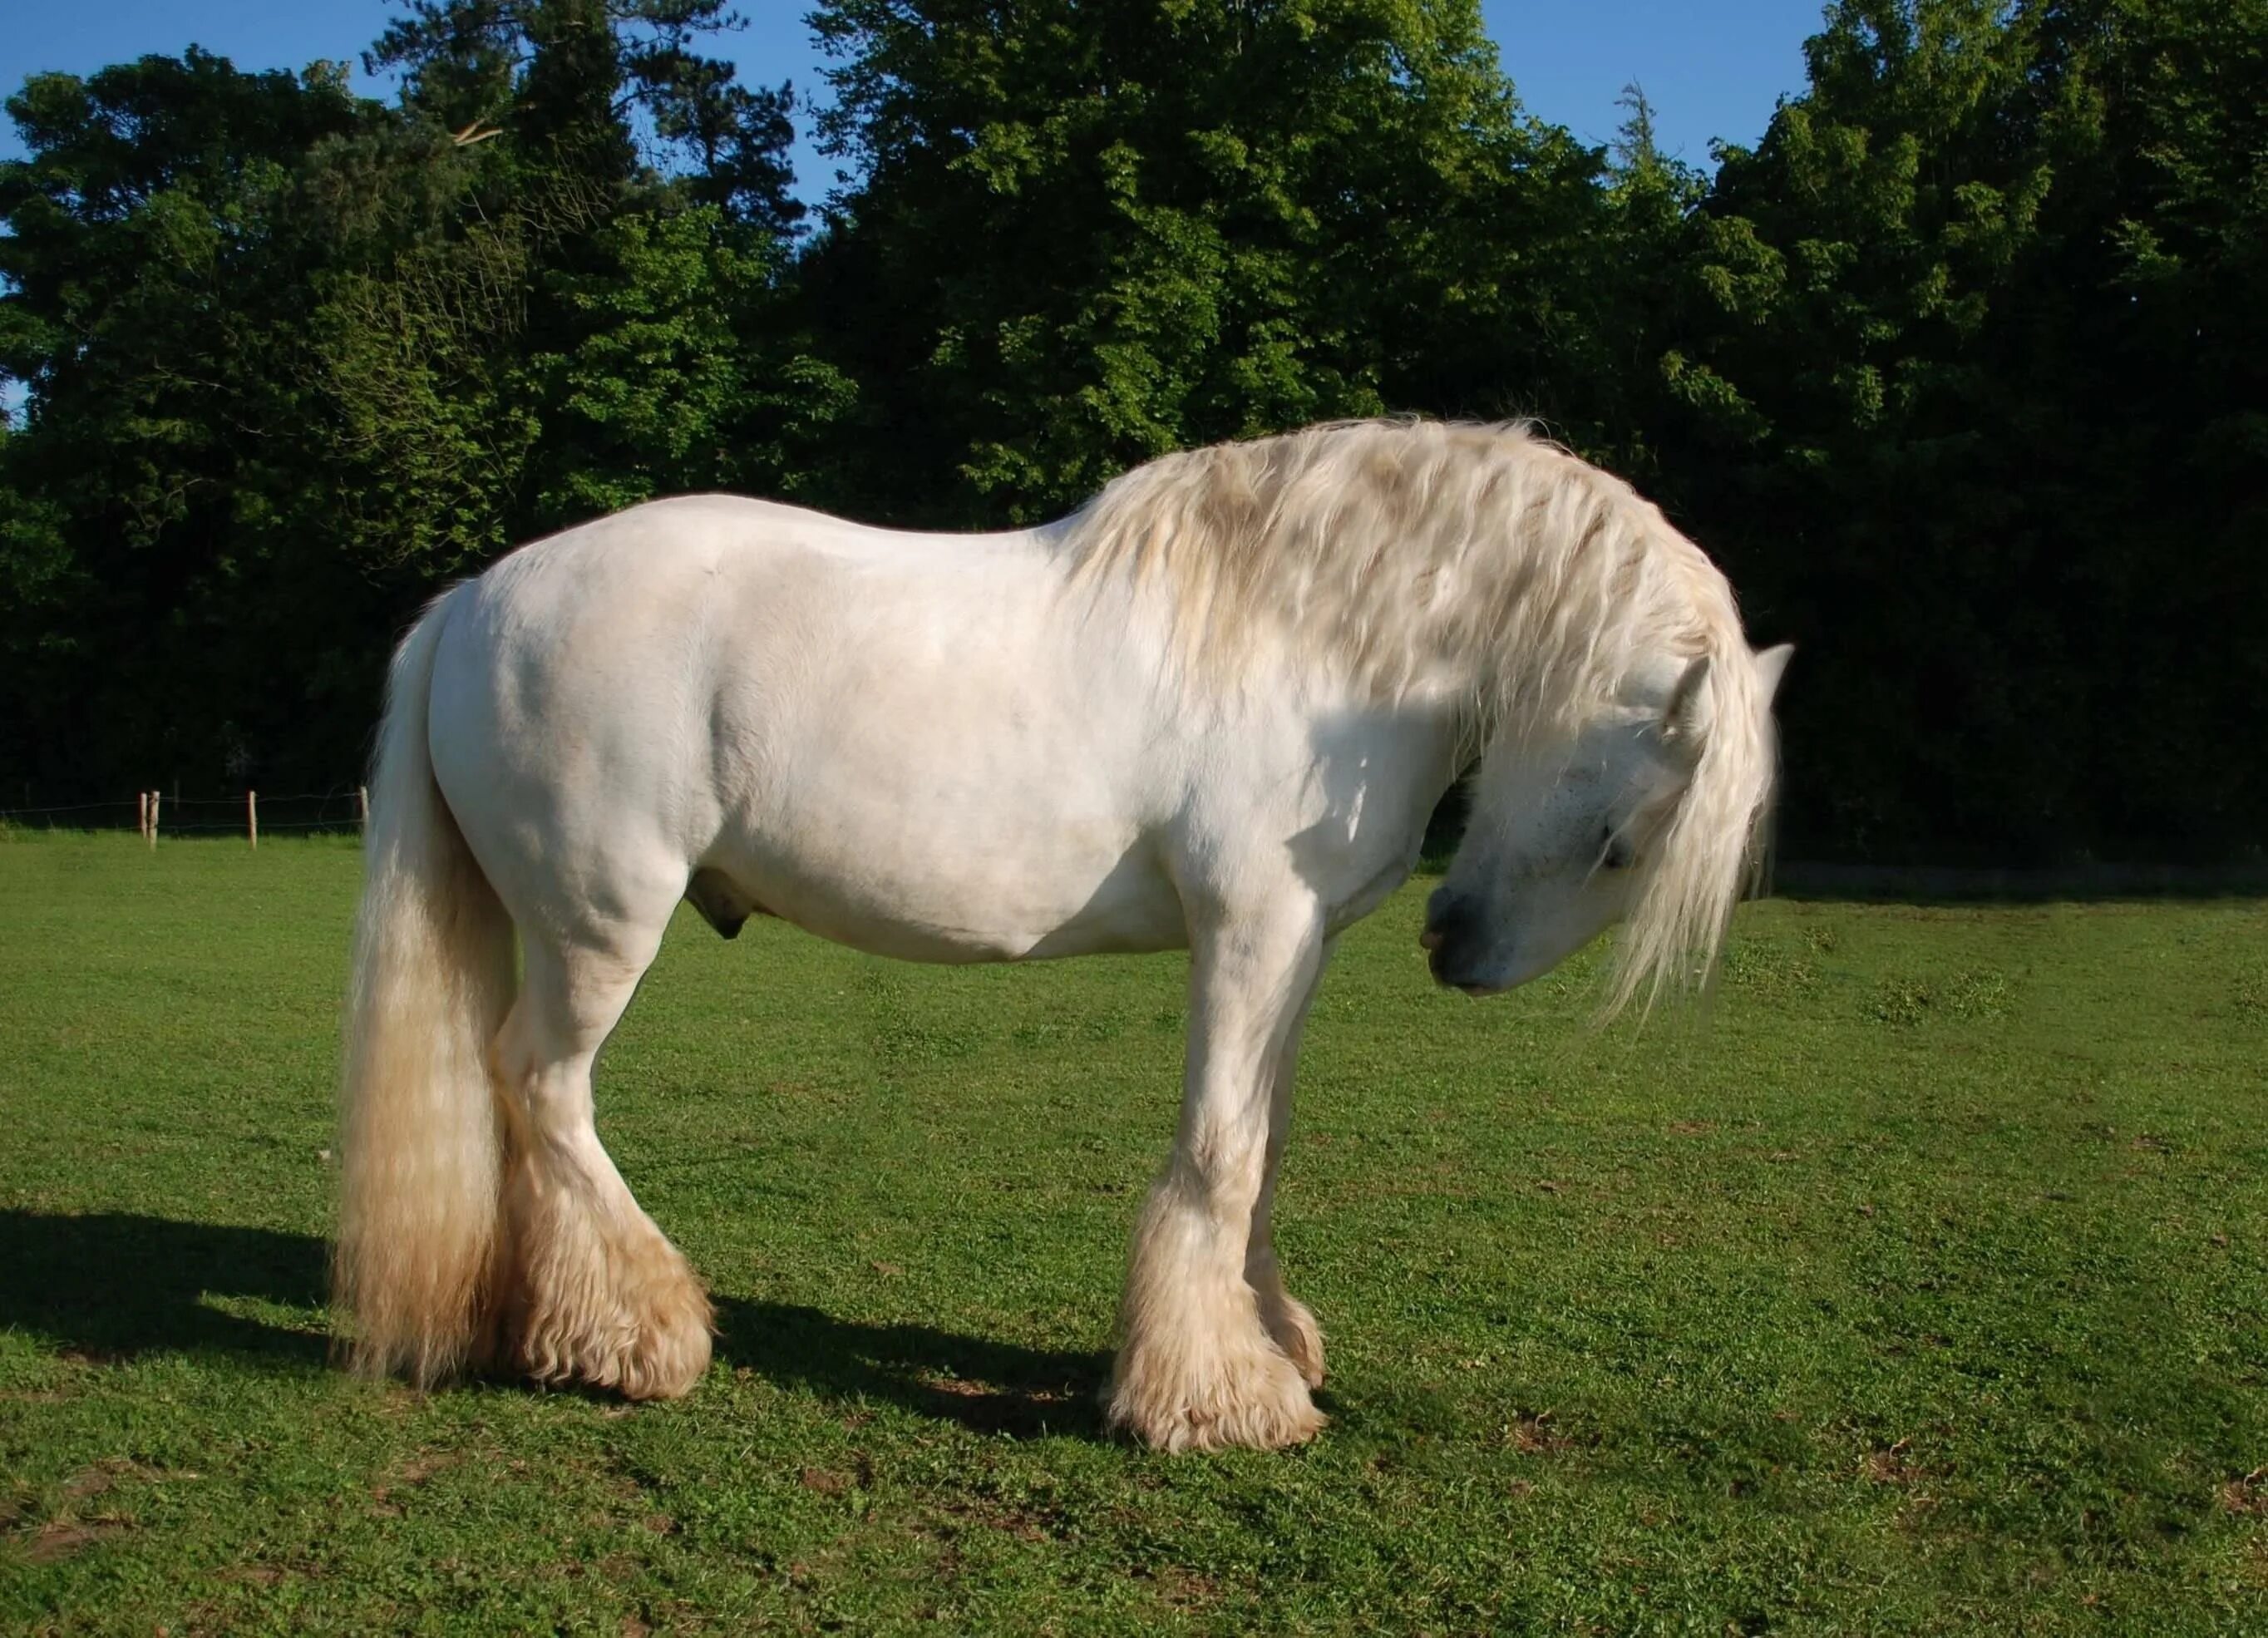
(1918, 1287)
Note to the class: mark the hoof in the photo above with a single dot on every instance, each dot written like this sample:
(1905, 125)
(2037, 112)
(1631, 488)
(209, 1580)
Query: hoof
(1259, 1400)
(645, 1336)
(671, 1354)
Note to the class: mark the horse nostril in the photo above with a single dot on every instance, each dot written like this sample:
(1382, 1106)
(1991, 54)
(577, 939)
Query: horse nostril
(1451, 918)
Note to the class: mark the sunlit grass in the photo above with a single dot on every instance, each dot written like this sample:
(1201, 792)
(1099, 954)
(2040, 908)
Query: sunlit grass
(1917, 1287)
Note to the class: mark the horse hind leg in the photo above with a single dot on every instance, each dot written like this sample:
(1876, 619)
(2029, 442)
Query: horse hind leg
(592, 1290)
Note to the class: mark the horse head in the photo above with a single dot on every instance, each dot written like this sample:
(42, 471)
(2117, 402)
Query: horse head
(1649, 813)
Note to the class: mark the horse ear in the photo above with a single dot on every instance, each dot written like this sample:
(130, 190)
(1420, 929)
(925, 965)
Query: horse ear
(1685, 719)
(1771, 665)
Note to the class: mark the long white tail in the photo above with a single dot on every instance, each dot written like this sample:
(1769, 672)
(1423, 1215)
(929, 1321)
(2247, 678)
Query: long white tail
(433, 978)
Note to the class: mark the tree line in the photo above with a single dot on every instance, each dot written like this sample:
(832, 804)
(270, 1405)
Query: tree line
(1962, 371)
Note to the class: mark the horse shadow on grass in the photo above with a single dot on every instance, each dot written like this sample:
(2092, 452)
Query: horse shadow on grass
(988, 1386)
(108, 1286)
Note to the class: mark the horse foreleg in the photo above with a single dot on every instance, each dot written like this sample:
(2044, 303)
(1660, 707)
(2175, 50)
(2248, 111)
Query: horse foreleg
(1197, 1367)
(1287, 1318)
(593, 1290)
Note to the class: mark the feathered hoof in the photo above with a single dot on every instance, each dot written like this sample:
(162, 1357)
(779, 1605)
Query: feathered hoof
(671, 1354)
(1295, 1332)
(1258, 1401)
(643, 1338)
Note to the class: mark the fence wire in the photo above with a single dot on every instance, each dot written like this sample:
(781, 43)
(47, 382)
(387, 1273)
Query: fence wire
(197, 817)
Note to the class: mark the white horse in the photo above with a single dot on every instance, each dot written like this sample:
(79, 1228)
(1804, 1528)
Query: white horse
(1212, 709)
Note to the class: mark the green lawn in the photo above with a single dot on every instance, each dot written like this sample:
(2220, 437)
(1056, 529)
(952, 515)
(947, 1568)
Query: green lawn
(1920, 1286)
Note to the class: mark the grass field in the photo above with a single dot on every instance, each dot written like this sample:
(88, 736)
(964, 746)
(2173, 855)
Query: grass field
(1922, 1288)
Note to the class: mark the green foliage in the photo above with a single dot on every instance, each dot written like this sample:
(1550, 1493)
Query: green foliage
(294, 360)
(1962, 371)
(680, 374)
(156, 277)
(1085, 235)
(578, 70)
(1968, 413)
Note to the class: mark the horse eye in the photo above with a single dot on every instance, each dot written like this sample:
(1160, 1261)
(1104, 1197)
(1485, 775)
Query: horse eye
(1613, 852)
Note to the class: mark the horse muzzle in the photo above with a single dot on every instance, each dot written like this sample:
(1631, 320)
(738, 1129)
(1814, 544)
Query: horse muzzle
(1459, 946)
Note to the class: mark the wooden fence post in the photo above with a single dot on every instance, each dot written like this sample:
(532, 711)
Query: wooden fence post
(153, 819)
(141, 814)
(362, 806)
(252, 816)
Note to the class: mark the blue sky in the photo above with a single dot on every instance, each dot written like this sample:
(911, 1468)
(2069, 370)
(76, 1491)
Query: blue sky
(1712, 68)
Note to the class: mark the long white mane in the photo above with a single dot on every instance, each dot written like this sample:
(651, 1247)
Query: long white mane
(1474, 563)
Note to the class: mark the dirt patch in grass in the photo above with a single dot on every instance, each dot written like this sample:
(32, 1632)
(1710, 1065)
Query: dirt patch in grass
(1889, 1466)
(74, 1529)
(1017, 1413)
(2246, 1497)
(1537, 1433)
(62, 1538)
